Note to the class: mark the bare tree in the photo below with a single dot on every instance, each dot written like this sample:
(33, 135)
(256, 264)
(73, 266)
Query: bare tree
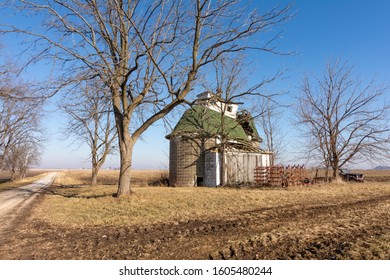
(230, 86)
(344, 119)
(14, 118)
(8, 116)
(269, 125)
(30, 156)
(148, 53)
(20, 131)
(20, 135)
(91, 121)
(6, 122)
(20, 157)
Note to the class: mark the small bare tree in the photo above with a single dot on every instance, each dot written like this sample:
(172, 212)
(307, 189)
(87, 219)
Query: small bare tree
(269, 125)
(91, 121)
(20, 135)
(231, 88)
(20, 157)
(344, 120)
(20, 115)
(148, 53)
(18, 121)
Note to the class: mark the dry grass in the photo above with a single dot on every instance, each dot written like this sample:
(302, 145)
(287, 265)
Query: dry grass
(375, 175)
(77, 204)
(371, 175)
(110, 177)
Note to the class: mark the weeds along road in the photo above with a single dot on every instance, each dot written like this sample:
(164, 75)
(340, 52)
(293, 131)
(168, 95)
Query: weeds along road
(13, 202)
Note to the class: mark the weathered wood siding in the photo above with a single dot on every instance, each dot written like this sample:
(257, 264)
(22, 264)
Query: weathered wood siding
(240, 166)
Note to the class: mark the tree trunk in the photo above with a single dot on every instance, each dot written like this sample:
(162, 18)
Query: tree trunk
(126, 154)
(94, 176)
(125, 142)
(335, 167)
(327, 174)
(271, 160)
(224, 176)
(336, 175)
(22, 174)
(12, 171)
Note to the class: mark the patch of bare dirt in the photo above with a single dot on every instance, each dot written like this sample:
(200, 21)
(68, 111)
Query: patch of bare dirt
(341, 231)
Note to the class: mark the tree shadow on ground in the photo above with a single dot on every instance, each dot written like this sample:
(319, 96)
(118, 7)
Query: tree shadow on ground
(56, 190)
(4, 181)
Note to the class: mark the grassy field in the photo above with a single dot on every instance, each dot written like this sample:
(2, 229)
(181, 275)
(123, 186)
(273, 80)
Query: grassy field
(73, 202)
(328, 221)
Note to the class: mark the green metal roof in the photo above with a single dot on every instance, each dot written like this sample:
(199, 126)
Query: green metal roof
(209, 123)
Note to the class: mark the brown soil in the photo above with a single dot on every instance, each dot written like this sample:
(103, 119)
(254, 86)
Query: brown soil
(359, 230)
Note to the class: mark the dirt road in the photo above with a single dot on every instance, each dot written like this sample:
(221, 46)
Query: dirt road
(13, 202)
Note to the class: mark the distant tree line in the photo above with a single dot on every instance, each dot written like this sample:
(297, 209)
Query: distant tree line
(20, 129)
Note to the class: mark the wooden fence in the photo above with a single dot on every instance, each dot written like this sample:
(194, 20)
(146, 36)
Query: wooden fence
(279, 175)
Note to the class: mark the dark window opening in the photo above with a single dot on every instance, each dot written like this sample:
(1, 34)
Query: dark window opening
(199, 181)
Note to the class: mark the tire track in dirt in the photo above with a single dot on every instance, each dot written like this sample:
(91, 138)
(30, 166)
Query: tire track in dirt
(292, 232)
(326, 237)
(262, 221)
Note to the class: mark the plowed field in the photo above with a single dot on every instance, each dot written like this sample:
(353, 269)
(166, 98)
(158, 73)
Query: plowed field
(337, 228)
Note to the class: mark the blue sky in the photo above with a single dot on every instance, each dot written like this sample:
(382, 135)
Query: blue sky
(356, 31)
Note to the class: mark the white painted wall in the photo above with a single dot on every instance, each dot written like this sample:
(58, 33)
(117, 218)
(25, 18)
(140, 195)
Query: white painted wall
(229, 109)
